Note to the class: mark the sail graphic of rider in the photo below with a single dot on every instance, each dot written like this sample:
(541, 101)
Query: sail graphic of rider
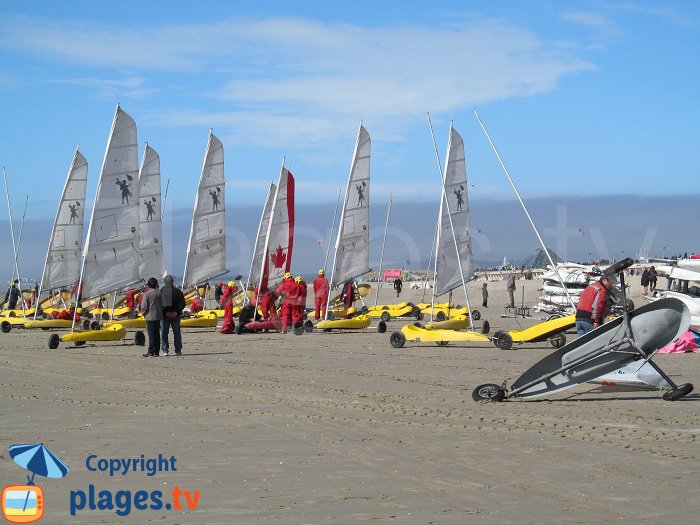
(124, 187)
(360, 193)
(215, 198)
(460, 199)
(149, 208)
(74, 211)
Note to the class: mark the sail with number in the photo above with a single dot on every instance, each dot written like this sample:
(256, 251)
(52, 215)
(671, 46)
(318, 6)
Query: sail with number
(280, 234)
(150, 223)
(206, 249)
(352, 243)
(261, 238)
(111, 257)
(454, 248)
(62, 265)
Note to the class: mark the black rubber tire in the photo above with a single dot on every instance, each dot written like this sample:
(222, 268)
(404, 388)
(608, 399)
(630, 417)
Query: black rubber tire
(488, 392)
(54, 339)
(5, 326)
(440, 316)
(299, 329)
(418, 325)
(442, 343)
(381, 327)
(419, 316)
(397, 340)
(677, 393)
(504, 341)
(364, 309)
(95, 325)
(12, 314)
(309, 326)
(86, 324)
(485, 327)
(557, 341)
(240, 329)
(415, 312)
(105, 316)
(385, 316)
(385, 307)
(45, 328)
(327, 330)
(476, 315)
(331, 316)
(79, 343)
(139, 338)
(630, 305)
(88, 315)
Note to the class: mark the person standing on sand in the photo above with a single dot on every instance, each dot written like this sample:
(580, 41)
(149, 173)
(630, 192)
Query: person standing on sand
(398, 285)
(652, 279)
(484, 295)
(645, 280)
(321, 289)
(510, 286)
(152, 309)
(173, 302)
(591, 307)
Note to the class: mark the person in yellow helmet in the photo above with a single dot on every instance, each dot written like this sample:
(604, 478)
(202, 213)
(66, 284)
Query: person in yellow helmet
(228, 325)
(287, 290)
(321, 289)
(300, 301)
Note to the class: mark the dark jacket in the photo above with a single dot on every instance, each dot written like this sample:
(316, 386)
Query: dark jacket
(173, 300)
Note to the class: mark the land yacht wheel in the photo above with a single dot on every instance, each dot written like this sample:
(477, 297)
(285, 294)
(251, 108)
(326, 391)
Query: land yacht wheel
(488, 392)
(381, 327)
(476, 315)
(397, 340)
(557, 341)
(677, 393)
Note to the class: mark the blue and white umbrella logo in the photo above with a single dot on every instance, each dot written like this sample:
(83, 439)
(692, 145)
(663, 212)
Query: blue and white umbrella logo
(38, 460)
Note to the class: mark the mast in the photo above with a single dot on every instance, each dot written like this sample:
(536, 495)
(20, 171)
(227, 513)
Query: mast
(330, 233)
(263, 261)
(12, 234)
(381, 257)
(532, 223)
(267, 208)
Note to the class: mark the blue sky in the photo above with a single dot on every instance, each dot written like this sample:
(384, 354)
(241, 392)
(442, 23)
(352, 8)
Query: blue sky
(581, 97)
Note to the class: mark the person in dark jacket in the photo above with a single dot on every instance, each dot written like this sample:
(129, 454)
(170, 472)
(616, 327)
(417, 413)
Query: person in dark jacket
(398, 284)
(592, 306)
(13, 296)
(173, 301)
(645, 280)
(652, 279)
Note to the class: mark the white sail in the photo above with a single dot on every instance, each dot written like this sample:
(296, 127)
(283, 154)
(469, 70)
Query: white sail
(206, 250)
(261, 239)
(150, 223)
(111, 259)
(280, 234)
(352, 243)
(62, 266)
(454, 213)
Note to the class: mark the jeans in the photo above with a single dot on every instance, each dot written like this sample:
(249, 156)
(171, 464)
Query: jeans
(165, 325)
(153, 328)
(583, 327)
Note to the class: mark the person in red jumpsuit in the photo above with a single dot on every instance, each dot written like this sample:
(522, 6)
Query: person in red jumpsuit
(287, 290)
(300, 301)
(321, 289)
(227, 304)
(265, 302)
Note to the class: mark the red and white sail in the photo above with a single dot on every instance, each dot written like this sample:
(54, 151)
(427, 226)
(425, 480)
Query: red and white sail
(280, 234)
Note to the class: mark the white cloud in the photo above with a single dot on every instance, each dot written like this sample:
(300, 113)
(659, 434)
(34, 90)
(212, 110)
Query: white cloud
(109, 89)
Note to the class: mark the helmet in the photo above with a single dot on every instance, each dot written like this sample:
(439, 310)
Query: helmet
(219, 283)
(322, 272)
(298, 279)
(287, 275)
(352, 310)
(231, 284)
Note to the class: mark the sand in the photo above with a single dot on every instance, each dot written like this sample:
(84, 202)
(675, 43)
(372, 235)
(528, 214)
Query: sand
(343, 428)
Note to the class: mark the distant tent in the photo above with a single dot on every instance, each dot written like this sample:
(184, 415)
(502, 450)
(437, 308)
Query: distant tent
(539, 259)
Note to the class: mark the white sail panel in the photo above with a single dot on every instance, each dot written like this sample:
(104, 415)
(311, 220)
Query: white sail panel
(280, 237)
(111, 252)
(150, 223)
(62, 266)
(352, 243)
(206, 250)
(454, 213)
(261, 239)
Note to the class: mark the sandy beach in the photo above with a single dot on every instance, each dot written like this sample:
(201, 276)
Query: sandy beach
(343, 428)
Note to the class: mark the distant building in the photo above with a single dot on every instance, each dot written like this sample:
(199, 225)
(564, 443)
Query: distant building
(539, 259)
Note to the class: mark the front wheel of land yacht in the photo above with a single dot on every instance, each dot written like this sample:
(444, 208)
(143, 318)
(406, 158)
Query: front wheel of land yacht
(385, 316)
(381, 327)
(677, 393)
(309, 326)
(504, 341)
(476, 315)
(53, 341)
(139, 338)
(488, 392)
(441, 316)
(485, 327)
(95, 325)
(397, 339)
(557, 341)
(6, 327)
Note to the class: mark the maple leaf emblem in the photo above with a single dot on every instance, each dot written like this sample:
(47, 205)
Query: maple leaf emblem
(278, 258)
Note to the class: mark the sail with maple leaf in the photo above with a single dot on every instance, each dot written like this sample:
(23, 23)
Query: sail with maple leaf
(279, 240)
(352, 243)
(110, 260)
(261, 239)
(150, 224)
(206, 249)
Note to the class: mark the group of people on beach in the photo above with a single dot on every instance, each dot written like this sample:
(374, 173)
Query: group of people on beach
(162, 309)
